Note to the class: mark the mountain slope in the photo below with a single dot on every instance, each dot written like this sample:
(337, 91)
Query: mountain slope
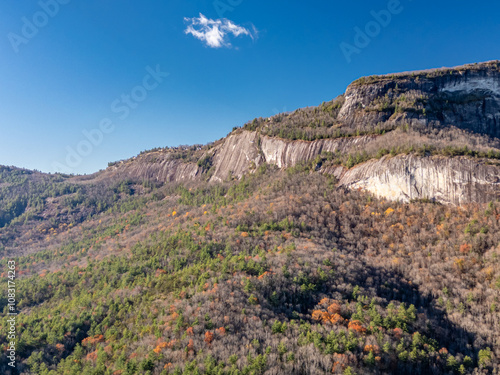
(279, 272)
(312, 242)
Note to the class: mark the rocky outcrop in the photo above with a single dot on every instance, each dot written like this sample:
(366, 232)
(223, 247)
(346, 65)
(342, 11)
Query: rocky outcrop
(155, 166)
(408, 177)
(284, 154)
(244, 151)
(236, 156)
(467, 97)
(405, 177)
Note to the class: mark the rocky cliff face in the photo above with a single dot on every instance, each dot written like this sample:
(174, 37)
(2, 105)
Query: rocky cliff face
(286, 154)
(155, 166)
(243, 152)
(467, 98)
(236, 156)
(407, 177)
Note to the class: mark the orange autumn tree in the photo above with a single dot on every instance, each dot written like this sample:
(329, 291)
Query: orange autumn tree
(209, 337)
(92, 356)
(356, 326)
(465, 248)
(372, 348)
(221, 331)
(334, 308)
(159, 347)
(398, 332)
(332, 315)
(168, 365)
(92, 340)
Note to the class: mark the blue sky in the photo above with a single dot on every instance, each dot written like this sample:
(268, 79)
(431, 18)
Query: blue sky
(68, 74)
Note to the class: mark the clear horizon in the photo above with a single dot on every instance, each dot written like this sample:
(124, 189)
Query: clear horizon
(84, 84)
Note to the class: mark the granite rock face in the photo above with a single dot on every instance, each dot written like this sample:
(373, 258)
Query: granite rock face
(286, 154)
(156, 166)
(467, 97)
(408, 177)
(243, 152)
(236, 156)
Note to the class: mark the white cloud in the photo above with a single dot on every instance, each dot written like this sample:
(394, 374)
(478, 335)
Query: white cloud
(215, 33)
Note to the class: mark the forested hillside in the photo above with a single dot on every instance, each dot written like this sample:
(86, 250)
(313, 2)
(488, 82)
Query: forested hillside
(277, 273)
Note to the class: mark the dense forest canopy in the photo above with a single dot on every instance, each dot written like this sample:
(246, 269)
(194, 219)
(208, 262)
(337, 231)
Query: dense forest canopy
(277, 273)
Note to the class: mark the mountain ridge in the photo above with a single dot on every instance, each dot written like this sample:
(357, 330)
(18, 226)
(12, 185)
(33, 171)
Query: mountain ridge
(446, 111)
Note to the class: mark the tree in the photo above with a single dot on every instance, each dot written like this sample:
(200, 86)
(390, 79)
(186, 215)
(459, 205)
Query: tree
(209, 337)
(484, 357)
